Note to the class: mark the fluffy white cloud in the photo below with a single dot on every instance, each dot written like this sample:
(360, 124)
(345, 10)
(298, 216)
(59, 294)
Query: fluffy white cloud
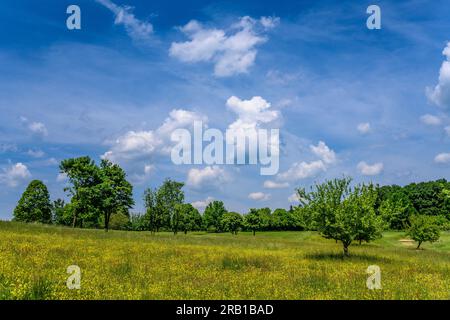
(259, 196)
(370, 170)
(430, 120)
(37, 128)
(137, 144)
(324, 152)
(251, 113)
(363, 128)
(210, 176)
(15, 174)
(232, 52)
(202, 204)
(136, 29)
(302, 170)
(269, 22)
(269, 184)
(440, 94)
(293, 198)
(442, 158)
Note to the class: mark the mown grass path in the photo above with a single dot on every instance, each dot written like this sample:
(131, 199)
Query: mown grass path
(272, 265)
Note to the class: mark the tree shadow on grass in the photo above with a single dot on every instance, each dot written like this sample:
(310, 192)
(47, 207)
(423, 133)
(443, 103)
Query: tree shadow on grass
(333, 256)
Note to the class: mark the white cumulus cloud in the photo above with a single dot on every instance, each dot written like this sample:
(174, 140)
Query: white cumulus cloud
(370, 170)
(232, 51)
(202, 204)
(430, 120)
(210, 176)
(442, 158)
(269, 184)
(440, 94)
(324, 152)
(363, 128)
(251, 113)
(259, 196)
(304, 169)
(15, 174)
(137, 144)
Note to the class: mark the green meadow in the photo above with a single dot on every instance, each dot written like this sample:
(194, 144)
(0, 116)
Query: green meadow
(271, 265)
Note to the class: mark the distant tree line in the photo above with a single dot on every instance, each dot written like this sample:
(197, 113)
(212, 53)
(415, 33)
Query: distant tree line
(101, 197)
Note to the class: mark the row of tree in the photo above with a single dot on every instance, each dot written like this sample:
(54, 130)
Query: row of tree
(100, 196)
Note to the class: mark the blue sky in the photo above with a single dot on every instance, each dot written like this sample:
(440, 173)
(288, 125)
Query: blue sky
(373, 104)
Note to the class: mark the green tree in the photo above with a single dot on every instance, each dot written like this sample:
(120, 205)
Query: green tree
(232, 222)
(282, 220)
(257, 219)
(396, 209)
(168, 196)
(84, 176)
(186, 218)
(138, 222)
(58, 211)
(161, 203)
(340, 212)
(192, 218)
(153, 216)
(213, 214)
(302, 218)
(369, 225)
(178, 218)
(423, 228)
(114, 192)
(34, 205)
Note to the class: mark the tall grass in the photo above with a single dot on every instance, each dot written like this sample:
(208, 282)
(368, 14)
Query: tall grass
(272, 265)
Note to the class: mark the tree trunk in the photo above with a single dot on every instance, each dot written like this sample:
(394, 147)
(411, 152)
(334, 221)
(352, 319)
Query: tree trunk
(360, 241)
(74, 222)
(346, 250)
(107, 216)
(254, 232)
(420, 242)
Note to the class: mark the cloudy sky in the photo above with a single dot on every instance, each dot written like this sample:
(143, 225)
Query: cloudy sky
(373, 104)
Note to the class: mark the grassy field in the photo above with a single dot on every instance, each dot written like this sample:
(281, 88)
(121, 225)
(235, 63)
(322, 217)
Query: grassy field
(272, 265)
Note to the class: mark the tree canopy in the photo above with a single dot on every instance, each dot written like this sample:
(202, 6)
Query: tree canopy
(34, 205)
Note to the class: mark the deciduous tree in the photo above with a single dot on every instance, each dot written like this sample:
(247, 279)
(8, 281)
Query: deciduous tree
(34, 205)
(423, 228)
(213, 215)
(232, 222)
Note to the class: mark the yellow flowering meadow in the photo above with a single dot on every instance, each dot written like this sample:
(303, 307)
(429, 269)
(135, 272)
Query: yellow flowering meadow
(272, 265)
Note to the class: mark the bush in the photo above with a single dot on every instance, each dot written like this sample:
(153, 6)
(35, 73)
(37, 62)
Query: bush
(119, 221)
